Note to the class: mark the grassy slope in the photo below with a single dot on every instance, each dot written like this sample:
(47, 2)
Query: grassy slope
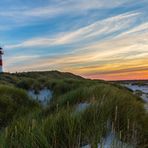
(29, 125)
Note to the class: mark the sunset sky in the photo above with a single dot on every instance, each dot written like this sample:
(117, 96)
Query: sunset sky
(103, 39)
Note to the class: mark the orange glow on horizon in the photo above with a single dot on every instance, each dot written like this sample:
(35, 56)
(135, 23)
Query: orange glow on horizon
(138, 75)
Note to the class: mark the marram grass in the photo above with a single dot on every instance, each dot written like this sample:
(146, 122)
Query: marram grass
(112, 109)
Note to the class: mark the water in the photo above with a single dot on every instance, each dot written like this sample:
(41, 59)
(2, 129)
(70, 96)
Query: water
(82, 107)
(44, 95)
(143, 89)
(111, 141)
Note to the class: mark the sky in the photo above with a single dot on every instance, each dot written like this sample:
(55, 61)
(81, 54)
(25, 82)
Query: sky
(97, 39)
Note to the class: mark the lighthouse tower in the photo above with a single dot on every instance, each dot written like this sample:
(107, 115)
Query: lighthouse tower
(1, 61)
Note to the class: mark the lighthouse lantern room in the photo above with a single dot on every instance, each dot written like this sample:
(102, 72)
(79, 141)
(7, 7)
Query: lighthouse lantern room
(1, 61)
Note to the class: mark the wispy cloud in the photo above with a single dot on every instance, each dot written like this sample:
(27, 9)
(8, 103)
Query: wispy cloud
(136, 30)
(106, 57)
(103, 39)
(59, 7)
(26, 15)
(85, 34)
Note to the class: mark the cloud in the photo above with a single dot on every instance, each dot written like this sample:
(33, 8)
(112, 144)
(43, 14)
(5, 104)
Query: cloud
(119, 53)
(20, 59)
(112, 47)
(136, 30)
(105, 59)
(84, 34)
(53, 9)
(61, 6)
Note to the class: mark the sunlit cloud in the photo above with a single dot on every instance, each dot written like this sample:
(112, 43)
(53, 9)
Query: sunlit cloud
(99, 28)
(112, 46)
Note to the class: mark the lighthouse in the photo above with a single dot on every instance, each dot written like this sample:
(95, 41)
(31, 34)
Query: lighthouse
(1, 61)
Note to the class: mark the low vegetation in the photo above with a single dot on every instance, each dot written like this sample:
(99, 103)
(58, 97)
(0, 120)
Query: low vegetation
(111, 108)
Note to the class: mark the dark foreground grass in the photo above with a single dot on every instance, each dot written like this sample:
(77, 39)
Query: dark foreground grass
(124, 111)
(14, 102)
(111, 109)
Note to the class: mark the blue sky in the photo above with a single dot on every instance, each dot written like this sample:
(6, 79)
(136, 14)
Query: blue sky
(105, 39)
